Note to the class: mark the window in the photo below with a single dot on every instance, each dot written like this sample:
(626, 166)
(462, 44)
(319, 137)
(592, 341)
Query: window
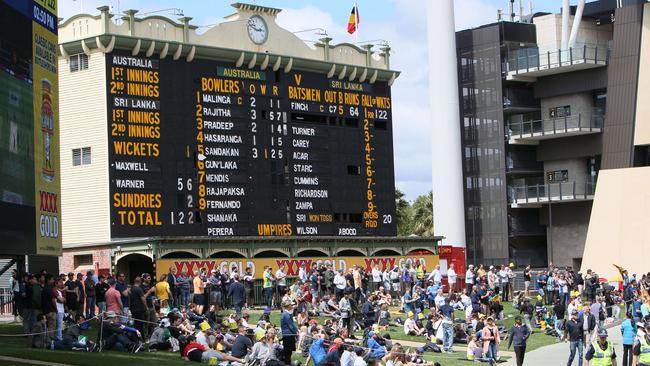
(78, 62)
(560, 112)
(83, 260)
(81, 156)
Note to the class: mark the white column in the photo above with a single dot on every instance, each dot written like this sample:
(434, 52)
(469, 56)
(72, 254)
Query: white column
(448, 206)
(576, 23)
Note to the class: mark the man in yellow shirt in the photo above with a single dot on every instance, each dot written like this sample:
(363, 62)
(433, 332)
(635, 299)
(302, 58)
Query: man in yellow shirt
(199, 289)
(163, 292)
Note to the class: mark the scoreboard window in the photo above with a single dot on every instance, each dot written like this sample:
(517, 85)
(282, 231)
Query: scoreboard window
(206, 149)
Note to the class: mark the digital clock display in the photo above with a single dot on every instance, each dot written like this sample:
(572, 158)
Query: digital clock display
(206, 149)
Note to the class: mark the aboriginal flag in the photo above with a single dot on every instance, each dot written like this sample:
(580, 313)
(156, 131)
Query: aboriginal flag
(353, 23)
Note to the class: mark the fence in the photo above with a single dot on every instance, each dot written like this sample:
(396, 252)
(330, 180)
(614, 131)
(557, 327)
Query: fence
(6, 301)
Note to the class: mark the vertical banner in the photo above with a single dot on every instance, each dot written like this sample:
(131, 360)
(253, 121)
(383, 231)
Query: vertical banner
(47, 172)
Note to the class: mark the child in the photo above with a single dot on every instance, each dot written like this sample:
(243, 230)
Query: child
(474, 352)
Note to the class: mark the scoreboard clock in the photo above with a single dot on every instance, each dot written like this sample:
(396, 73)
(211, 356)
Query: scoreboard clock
(206, 149)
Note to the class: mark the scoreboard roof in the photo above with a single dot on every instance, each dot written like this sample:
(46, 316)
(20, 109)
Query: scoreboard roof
(226, 41)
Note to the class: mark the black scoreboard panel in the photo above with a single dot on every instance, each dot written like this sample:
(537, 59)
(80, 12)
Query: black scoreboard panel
(206, 149)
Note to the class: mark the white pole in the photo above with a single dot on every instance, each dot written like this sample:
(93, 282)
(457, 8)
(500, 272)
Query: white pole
(576, 23)
(566, 12)
(448, 206)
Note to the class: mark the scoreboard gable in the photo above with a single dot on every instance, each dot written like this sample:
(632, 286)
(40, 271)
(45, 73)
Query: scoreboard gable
(204, 149)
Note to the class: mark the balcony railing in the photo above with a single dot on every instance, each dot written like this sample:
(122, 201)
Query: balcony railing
(552, 192)
(525, 131)
(532, 62)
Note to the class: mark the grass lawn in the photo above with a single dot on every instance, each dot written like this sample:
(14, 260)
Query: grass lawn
(16, 347)
(536, 340)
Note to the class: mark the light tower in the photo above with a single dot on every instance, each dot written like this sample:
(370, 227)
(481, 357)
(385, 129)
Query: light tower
(448, 204)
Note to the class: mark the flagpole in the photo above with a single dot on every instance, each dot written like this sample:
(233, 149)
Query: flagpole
(356, 22)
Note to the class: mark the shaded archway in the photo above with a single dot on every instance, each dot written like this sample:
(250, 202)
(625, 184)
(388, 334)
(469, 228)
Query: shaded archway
(179, 255)
(350, 253)
(270, 254)
(386, 253)
(133, 265)
(227, 254)
(311, 253)
(421, 251)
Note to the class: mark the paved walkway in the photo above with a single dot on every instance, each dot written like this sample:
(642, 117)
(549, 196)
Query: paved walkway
(558, 354)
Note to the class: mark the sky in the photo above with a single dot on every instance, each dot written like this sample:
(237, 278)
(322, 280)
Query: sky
(399, 22)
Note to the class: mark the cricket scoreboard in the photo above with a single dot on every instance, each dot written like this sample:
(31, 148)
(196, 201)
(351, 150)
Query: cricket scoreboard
(203, 148)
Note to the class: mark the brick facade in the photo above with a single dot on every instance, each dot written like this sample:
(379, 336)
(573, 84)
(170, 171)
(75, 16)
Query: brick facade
(76, 260)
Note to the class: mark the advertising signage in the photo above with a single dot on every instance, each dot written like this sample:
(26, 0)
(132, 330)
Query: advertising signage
(29, 129)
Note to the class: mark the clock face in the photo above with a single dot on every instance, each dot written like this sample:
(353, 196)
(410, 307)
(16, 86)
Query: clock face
(257, 29)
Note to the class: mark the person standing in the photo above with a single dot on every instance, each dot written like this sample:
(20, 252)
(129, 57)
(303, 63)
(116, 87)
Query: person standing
(469, 278)
(641, 348)
(173, 288)
(214, 283)
(447, 326)
(376, 278)
(329, 279)
(436, 276)
(183, 284)
(574, 332)
(451, 279)
(588, 321)
(518, 335)
(71, 294)
(199, 289)
(91, 295)
(249, 282)
(629, 333)
(527, 275)
(14, 285)
(237, 294)
(491, 339)
(267, 287)
(81, 294)
(280, 283)
(123, 288)
(100, 293)
(340, 283)
(289, 332)
(138, 304)
(164, 292)
(151, 316)
(113, 299)
(601, 352)
(59, 295)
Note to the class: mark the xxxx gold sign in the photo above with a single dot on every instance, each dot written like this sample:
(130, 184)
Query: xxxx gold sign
(292, 265)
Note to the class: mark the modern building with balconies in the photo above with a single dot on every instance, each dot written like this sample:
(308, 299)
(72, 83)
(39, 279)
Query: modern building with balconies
(541, 114)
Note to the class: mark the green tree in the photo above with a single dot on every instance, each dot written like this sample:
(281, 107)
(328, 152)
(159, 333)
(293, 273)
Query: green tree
(423, 215)
(403, 214)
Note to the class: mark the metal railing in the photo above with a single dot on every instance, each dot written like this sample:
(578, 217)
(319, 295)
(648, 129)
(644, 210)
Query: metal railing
(531, 59)
(552, 192)
(554, 126)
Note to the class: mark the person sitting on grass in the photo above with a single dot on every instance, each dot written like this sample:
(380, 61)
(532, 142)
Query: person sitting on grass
(117, 336)
(384, 317)
(416, 358)
(73, 339)
(37, 339)
(410, 327)
(196, 352)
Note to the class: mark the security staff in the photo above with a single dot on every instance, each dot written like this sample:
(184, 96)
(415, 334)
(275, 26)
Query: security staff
(641, 349)
(601, 352)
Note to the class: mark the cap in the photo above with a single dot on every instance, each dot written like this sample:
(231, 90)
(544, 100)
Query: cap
(410, 314)
(511, 264)
(313, 321)
(420, 316)
(213, 271)
(111, 282)
(518, 318)
(602, 332)
(641, 324)
(145, 275)
(471, 266)
(490, 317)
(574, 312)
(491, 267)
(204, 325)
